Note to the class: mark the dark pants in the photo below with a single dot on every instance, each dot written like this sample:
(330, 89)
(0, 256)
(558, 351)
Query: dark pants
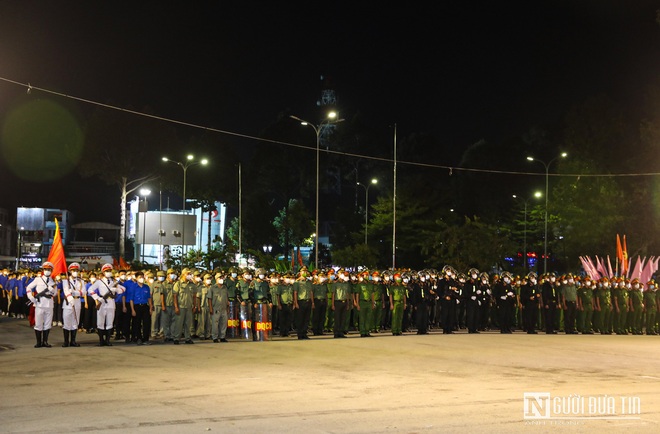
(286, 317)
(303, 313)
(422, 318)
(90, 315)
(472, 315)
(141, 323)
(448, 314)
(340, 314)
(569, 316)
(530, 315)
(123, 321)
(549, 314)
(505, 316)
(318, 315)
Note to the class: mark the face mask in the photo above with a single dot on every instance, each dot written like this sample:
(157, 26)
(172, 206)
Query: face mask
(571, 281)
(422, 279)
(507, 280)
(406, 280)
(161, 278)
(552, 279)
(233, 275)
(651, 287)
(332, 278)
(47, 273)
(564, 282)
(588, 283)
(323, 280)
(151, 280)
(207, 281)
(376, 279)
(92, 279)
(261, 276)
(533, 281)
(474, 276)
(122, 277)
(484, 281)
(140, 280)
(108, 274)
(74, 274)
(173, 276)
(248, 277)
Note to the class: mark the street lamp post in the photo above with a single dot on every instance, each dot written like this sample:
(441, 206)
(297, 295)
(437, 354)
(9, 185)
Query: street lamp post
(189, 162)
(547, 172)
(366, 207)
(144, 192)
(537, 194)
(317, 129)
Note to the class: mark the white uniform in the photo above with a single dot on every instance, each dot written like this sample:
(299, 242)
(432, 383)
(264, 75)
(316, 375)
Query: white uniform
(73, 291)
(103, 291)
(41, 292)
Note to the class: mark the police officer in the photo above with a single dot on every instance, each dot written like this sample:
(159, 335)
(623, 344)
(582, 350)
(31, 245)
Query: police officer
(472, 296)
(448, 290)
(529, 299)
(650, 306)
(303, 302)
(184, 300)
(204, 314)
(260, 290)
(420, 299)
(285, 304)
(41, 292)
(104, 291)
(218, 299)
(505, 298)
(550, 302)
(320, 293)
(569, 304)
(341, 298)
(73, 287)
(586, 305)
(364, 303)
(636, 307)
(398, 303)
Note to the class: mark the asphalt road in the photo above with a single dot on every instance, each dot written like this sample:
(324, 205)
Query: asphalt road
(387, 384)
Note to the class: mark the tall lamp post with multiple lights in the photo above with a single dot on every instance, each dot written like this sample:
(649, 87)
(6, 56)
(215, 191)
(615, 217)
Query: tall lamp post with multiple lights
(537, 195)
(317, 129)
(547, 171)
(366, 207)
(190, 161)
(144, 192)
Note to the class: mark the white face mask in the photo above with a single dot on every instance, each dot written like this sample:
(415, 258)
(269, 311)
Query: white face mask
(140, 280)
(151, 280)
(422, 279)
(207, 281)
(588, 283)
(173, 276)
(552, 279)
(161, 278)
(507, 280)
(122, 277)
(108, 274)
(74, 274)
(47, 273)
(92, 279)
(406, 280)
(533, 281)
(474, 276)
(233, 275)
(261, 276)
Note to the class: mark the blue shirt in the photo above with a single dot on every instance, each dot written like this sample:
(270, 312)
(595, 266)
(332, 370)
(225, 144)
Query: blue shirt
(139, 294)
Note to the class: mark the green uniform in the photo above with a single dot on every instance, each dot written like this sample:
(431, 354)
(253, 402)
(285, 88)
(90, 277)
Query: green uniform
(651, 308)
(285, 293)
(397, 305)
(342, 296)
(603, 315)
(378, 307)
(204, 314)
(637, 317)
(184, 294)
(365, 294)
(586, 314)
(620, 312)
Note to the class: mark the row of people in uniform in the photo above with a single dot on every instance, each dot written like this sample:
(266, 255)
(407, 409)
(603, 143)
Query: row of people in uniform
(175, 306)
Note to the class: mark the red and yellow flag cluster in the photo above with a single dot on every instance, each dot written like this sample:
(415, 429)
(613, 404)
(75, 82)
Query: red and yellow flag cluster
(622, 254)
(56, 255)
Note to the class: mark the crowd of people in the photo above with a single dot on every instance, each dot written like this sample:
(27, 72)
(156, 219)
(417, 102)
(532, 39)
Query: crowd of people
(180, 306)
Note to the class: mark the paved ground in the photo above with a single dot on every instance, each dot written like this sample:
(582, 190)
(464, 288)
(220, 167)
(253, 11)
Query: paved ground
(387, 384)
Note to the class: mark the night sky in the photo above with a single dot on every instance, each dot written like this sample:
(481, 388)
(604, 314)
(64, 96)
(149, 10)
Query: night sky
(461, 70)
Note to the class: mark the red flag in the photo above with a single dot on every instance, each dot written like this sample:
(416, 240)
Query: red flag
(123, 265)
(56, 255)
(300, 261)
(619, 250)
(115, 264)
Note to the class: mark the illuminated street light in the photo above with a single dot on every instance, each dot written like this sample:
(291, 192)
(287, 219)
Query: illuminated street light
(190, 162)
(366, 207)
(331, 119)
(547, 171)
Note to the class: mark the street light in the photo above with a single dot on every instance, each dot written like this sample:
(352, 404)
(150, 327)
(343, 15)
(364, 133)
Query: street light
(366, 207)
(547, 171)
(317, 129)
(189, 162)
(537, 195)
(144, 192)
